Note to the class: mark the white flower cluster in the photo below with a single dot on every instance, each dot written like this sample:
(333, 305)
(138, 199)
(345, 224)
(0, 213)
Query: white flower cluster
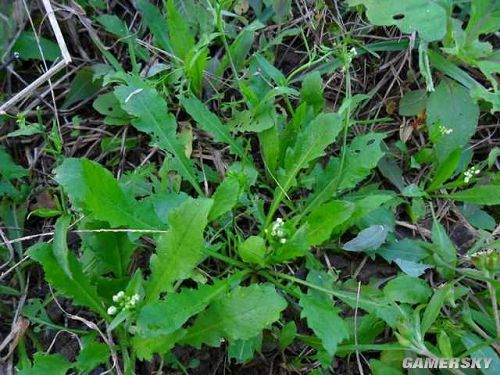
(278, 231)
(471, 172)
(349, 56)
(124, 302)
(444, 131)
(478, 254)
(482, 253)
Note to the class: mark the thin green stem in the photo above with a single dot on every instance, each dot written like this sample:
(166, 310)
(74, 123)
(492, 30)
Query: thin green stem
(220, 28)
(494, 306)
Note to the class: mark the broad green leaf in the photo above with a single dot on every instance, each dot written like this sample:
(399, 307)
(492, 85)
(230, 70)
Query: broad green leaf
(109, 106)
(181, 37)
(412, 268)
(60, 246)
(444, 249)
(381, 368)
(240, 47)
(362, 156)
(488, 195)
(434, 306)
(92, 355)
(27, 130)
(489, 67)
(296, 246)
(225, 197)
(150, 110)
(270, 148)
(195, 63)
(8, 169)
(414, 191)
(391, 170)
(167, 316)
(368, 239)
(477, 217)
(287, 334)
(155, 21)
(321, 315)
(83, 86)
(368, 202)
(79, 288)
(493, 156)
(253, 250)
(113, 24)
(240, 315)
(281, 8)
(312, 91)
(408, 289)
(484, 18)
(486, 353)
(113, 250)
(54, 364)
(311, 143)
(256, 120)
(427, 17)
(27, 46)
(146, 347)
(179, 250)
(450, 106)
(211, 124)
(413, 102)
(93, 189)
(243, 350)
(322, 220)
(270, 70)
(406, 249)
(444, 345)
(445, 169)
(444, 65)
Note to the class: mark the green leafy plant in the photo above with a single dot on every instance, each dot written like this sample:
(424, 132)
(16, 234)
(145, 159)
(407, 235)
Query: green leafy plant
(249, 205)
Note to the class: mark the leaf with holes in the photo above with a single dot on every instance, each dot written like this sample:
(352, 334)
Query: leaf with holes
(427, 17)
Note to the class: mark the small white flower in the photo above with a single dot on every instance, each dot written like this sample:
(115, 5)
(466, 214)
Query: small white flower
(134, 299)
(112, 310)
(277, 228)
(445, 131)
(482, 253)
(118, 296)
(471, 172)
(283, 240)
